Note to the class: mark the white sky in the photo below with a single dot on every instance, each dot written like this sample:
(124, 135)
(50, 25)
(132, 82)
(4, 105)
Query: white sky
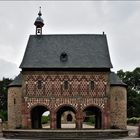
(120, 20)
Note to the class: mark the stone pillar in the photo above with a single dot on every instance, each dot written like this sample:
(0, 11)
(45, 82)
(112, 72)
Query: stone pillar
(25, 114)
(79, 118)
(53, 120)
(106, 118)
(25, 121)
(29, 124)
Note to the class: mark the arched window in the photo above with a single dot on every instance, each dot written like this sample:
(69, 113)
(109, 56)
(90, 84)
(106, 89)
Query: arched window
(66, 85)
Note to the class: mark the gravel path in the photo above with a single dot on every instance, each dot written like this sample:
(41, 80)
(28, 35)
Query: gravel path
(70, 125)
(132, 131)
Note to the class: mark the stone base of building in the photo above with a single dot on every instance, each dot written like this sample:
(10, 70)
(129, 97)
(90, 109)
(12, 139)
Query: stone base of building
(85, 134)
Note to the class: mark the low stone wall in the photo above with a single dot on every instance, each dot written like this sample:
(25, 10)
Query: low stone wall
(1, 128)
(0, 125)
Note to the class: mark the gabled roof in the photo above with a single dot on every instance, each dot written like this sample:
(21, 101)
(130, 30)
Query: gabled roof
(82, 51)
(17, 82)
(115, 80)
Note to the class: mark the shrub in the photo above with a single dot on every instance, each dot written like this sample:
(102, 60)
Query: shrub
(90, 120)
(3, 115)
(133, 120)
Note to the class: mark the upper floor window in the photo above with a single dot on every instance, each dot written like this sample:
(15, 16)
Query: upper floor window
(39, 84)
(14, 101)
(66, 85)
(92, 85)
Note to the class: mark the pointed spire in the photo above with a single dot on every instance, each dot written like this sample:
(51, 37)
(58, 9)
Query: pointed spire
(40, 14)
(39, 23)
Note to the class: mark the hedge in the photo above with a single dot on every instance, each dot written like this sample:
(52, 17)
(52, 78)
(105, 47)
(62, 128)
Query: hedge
(133, 120)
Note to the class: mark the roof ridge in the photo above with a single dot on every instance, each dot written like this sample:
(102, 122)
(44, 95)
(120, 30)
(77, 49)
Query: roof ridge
(71, 34)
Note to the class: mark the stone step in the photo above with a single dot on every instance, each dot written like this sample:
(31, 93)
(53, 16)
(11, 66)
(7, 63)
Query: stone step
(65, 134)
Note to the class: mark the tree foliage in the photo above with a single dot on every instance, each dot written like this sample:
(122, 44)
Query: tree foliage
(132, 79)
(3, 97)
(45, 119)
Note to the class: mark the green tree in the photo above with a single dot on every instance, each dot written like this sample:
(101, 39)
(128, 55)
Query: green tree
(3, 97)
(132, 79)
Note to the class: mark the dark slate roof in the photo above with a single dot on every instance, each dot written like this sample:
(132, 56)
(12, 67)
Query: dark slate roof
(17, 81)
(115, 80)
(83, 51)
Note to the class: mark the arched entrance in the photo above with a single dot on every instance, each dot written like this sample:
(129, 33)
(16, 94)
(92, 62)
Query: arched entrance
(37, 116)
(66, 117)
(92, 117)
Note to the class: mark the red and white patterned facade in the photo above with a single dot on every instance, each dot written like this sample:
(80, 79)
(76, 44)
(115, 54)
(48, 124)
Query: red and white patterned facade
(52, 94)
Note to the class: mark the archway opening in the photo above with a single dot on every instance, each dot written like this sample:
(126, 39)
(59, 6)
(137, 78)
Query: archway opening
(40, 117)
(45, 119)
(92, 117)
(66, 117)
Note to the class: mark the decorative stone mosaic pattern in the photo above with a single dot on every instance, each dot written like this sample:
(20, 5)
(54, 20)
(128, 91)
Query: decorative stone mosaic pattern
(53, 94)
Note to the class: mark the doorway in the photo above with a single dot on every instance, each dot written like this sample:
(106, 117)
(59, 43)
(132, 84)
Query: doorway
(39, 116)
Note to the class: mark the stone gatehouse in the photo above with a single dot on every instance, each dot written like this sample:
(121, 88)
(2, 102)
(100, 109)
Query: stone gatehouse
(66, 73)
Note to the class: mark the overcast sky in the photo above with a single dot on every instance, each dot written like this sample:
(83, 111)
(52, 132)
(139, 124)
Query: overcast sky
(119, 20)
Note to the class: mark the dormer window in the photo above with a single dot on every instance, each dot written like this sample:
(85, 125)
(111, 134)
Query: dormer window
(63, 57)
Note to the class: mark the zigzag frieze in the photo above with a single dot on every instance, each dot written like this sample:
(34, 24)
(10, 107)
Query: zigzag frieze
(68, 76)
